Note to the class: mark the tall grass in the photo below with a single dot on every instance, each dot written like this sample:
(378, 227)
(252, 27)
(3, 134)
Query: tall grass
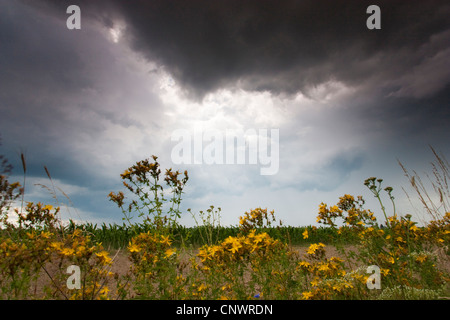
(435, 200)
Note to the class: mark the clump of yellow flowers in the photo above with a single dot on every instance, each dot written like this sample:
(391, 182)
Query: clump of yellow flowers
(36, 245)
(251, 264)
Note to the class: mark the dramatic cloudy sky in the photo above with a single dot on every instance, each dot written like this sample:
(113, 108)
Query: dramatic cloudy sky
(348, 101)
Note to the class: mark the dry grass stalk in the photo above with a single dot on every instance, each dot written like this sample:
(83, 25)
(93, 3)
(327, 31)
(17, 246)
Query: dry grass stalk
(437, 204)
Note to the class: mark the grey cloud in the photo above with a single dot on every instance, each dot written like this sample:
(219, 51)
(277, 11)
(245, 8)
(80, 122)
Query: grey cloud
(432, 73)
(280, 46)
(61, 90)
(285, 46)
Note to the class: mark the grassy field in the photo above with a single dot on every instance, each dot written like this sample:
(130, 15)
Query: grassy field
(118, 262)
(116, 236)
(348, 257)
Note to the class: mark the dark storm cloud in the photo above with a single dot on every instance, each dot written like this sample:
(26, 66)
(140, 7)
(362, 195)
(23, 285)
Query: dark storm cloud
(286, 46)
(401, 71)
(35, 82)
(283, 46)
(59, 91)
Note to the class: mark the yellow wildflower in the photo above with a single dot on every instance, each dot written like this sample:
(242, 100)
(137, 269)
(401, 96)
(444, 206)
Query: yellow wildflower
(56, 245)
(315, 282)
(67, 251)
(165, 240)
(384, 272)
(126, 174)
(323, 267)
(307, 295)
(104, 290)
(104, 257)
(305, 234)
(31, 235)
(421, 258)
(235, 246)
(314, 247)
(169, 252)
(304, 264)
(134, 248)
(337, 287)
(201, 287)
(80, 251)
(260, 237)
(46, 235)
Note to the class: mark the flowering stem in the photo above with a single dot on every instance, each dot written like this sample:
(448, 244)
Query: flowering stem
(370, 183)
(377, 195)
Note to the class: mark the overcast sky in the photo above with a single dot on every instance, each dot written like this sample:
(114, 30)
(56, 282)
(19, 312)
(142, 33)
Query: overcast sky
(347, 101)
